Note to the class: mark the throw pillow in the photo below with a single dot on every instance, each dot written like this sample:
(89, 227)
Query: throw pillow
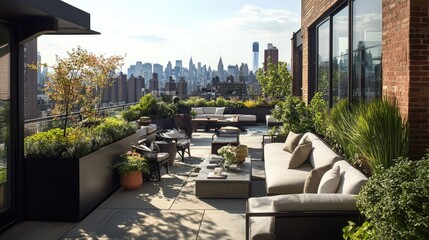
(300, 154)
(313, 180)
(154, 147)
(330, 181)
(291, 141)
(220, 110)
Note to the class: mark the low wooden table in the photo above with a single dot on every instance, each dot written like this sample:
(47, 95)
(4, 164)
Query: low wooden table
(236, 185)
(207, 123)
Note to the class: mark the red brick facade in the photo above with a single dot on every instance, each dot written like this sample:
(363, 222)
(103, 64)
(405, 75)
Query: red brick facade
(405, 61)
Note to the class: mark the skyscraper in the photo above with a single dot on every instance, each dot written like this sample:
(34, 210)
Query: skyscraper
(179, 68)
(168, 70)
(146, 72)
(273, 53)
(158, 68)
(220, 70)
(255, 56)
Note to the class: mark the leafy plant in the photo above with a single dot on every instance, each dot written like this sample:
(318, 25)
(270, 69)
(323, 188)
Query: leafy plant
(276, 82)
(354, 232)
(318, 112)
(381, 133)
(79, 142)
(3, 175)
(294, 114)
(149, 106)
(396, 200)
(131, 162)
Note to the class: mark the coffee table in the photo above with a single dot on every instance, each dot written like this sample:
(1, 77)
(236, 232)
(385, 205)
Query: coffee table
(236, 185)
(207, 123)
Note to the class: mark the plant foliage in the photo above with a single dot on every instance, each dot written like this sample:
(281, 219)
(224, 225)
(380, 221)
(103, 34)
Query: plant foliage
(131, 162)
(276, 82)
(79, 142)
(396, 200)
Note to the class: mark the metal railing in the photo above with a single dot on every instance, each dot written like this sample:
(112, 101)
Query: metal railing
(35, 125)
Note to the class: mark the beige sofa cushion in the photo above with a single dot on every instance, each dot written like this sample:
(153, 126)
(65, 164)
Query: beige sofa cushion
(313, 180)
(314, 202)
(300, 154)
(291, 141)
(261, 227)
(219, 110)
(330, 180)
(321, 154)
(198, 110)
(351, 179)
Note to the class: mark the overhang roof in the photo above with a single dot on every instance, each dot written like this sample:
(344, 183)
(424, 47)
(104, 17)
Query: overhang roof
(37, 17)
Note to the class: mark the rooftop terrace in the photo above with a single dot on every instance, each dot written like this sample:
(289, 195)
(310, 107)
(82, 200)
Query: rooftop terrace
(167, 209)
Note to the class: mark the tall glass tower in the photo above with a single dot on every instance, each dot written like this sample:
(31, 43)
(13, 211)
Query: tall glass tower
(255, 56)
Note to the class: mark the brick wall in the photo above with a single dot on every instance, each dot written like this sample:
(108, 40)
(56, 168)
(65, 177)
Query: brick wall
(418, 107)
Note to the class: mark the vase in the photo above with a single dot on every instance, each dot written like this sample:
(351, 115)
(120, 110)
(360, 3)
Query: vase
(242, 153)
(132, 180)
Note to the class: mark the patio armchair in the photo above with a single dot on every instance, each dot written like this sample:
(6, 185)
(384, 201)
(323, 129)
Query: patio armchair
(182, 140)
(156, 158)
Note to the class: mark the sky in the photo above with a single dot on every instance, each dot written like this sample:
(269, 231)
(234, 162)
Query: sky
(169, 30)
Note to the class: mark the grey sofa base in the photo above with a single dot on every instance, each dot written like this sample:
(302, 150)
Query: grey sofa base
(308, 225)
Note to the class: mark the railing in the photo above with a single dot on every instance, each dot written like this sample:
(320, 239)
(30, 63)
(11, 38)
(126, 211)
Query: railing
(32, 126)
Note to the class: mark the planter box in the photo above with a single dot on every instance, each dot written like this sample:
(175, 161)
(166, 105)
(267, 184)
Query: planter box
(69, 189)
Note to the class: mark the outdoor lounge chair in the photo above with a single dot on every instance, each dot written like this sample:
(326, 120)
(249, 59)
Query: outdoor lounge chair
(156, 159)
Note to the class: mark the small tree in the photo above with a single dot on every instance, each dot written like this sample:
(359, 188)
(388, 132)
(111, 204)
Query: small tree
(97, 76)
(80, 79)
(276, 82)
(66, 83)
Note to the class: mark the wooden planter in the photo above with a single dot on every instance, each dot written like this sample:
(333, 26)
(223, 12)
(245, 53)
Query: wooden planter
(69, 189)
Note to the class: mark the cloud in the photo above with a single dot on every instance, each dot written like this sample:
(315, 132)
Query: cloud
(150, 38)
(252, 19)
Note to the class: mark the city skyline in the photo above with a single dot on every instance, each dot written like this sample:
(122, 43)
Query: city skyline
(162, 31)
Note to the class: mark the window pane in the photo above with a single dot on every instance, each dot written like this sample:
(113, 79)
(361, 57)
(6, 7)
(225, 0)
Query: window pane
(323, 60)
(5, 179)
(366, 50)
(340, 67)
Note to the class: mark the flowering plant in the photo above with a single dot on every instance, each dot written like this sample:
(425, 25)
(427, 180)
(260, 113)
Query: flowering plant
(229, 153)
(130, 162)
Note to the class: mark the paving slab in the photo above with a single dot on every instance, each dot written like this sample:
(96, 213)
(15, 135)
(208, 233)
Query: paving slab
(222, 225)
(138, 224)
(31, 230)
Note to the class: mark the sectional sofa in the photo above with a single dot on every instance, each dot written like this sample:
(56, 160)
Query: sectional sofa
(311, 200)
(219, 112)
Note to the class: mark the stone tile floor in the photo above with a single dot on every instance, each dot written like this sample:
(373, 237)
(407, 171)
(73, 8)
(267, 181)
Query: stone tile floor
(167, 209)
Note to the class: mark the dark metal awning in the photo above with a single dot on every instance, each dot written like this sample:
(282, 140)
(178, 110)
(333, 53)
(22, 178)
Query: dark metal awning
(37, 17)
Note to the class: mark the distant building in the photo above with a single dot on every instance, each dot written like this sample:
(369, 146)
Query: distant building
(233, 71)
(171, 85)
(154, 83)
(220, 70)
(231, 89)
(255, 49)
(168, 70)
(273, 53)
(140, 87)
(182, 87)
(146, 72)
(159, 70)
(138, 71)
(131, 89)
(30, 80)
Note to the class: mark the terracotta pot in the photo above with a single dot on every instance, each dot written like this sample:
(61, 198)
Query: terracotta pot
(132, 180)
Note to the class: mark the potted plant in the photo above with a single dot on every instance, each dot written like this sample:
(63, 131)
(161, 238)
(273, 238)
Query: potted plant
(229, 154)
(193, 113)
(130, 168)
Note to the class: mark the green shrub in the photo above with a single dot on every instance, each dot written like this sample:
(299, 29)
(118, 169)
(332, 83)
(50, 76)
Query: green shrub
(197, 102)
(220, 102)
(294, 114)
(381, 133)
(164, 110)
(396, 200)
(318, 108)
(79, 142)
(339, 124)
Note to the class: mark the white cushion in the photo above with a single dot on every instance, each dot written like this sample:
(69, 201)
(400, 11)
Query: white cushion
(330, 180)
(220, 110)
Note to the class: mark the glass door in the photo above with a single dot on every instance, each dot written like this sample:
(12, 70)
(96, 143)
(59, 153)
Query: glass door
(6, 174)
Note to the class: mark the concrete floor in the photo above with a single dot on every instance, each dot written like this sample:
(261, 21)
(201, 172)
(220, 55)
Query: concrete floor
(167, 209)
